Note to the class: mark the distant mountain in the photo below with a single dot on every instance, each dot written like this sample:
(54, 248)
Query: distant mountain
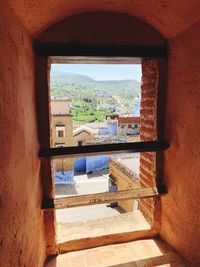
(66, 77)
(91, 100)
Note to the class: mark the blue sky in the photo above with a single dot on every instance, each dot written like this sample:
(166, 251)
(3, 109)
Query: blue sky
(103, 71)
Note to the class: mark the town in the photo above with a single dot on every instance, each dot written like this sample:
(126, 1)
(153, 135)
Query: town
(97, 173)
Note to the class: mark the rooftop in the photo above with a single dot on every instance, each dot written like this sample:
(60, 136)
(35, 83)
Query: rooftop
(82, 129)
(129, 120)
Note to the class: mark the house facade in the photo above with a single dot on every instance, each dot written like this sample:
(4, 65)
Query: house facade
(61, 131)
(129, 125)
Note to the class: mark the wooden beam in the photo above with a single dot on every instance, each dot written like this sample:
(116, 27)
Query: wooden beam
(100, 198)
(94, 50)
(78, 151)
(94, 60)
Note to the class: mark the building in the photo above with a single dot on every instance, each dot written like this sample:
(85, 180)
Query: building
(60, 105)
(169, 33)
(124, 174)
(61, 131)
(128, 125)
(136, 107)
(82, 135)
(110, 127)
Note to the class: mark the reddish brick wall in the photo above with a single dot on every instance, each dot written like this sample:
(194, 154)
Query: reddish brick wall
(148, 131)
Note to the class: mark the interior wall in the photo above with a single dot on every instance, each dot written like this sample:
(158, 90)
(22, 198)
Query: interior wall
(21, 225)
(181, 206)
(101, 28)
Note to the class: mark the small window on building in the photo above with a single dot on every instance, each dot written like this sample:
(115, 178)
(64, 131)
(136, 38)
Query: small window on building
(60, 131)
(129, 126)
(80, 143)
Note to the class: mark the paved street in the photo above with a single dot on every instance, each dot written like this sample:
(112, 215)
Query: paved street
(85, 184)
(95, 182)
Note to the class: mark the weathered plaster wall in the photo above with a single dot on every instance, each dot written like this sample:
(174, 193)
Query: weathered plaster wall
(181, 207)
(169, 17)
(101, 28)
(21, 225)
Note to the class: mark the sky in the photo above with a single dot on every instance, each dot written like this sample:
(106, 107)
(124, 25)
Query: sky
(100, 72)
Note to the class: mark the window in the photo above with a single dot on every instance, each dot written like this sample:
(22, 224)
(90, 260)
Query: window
(60, 131)
(80, 143)
(99, 198)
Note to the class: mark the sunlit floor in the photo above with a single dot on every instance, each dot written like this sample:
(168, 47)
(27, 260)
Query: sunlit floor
(141, 253)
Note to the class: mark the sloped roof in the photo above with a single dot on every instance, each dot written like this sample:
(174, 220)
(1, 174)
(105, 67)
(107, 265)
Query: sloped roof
(128, 120)
(83, 129)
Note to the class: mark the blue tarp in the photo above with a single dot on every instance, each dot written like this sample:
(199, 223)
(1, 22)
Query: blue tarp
(66, 177)
(80, 165)
(95, 163)
(85, 165)
(92, 163)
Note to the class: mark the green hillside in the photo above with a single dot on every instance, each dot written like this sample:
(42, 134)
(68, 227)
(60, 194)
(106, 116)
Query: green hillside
(92, 100)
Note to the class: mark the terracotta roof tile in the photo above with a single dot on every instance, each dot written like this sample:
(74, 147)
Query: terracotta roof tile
(129, 120)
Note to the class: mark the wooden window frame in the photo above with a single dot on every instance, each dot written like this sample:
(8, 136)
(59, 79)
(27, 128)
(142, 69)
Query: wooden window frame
(47, 53)
(76, 53)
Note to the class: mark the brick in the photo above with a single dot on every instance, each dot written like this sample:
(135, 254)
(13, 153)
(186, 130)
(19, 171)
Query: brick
(147, 156)
(146, 87)
(146, 137)
(147, 214)
(150, 173)
(146, 163)
(148, 131)
(146, 177)
(150, 93)
(146, 111)
(146, 183)
(146, 121)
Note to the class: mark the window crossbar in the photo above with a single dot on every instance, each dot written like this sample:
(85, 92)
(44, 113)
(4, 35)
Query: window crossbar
(105, 197)
(78, 151)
